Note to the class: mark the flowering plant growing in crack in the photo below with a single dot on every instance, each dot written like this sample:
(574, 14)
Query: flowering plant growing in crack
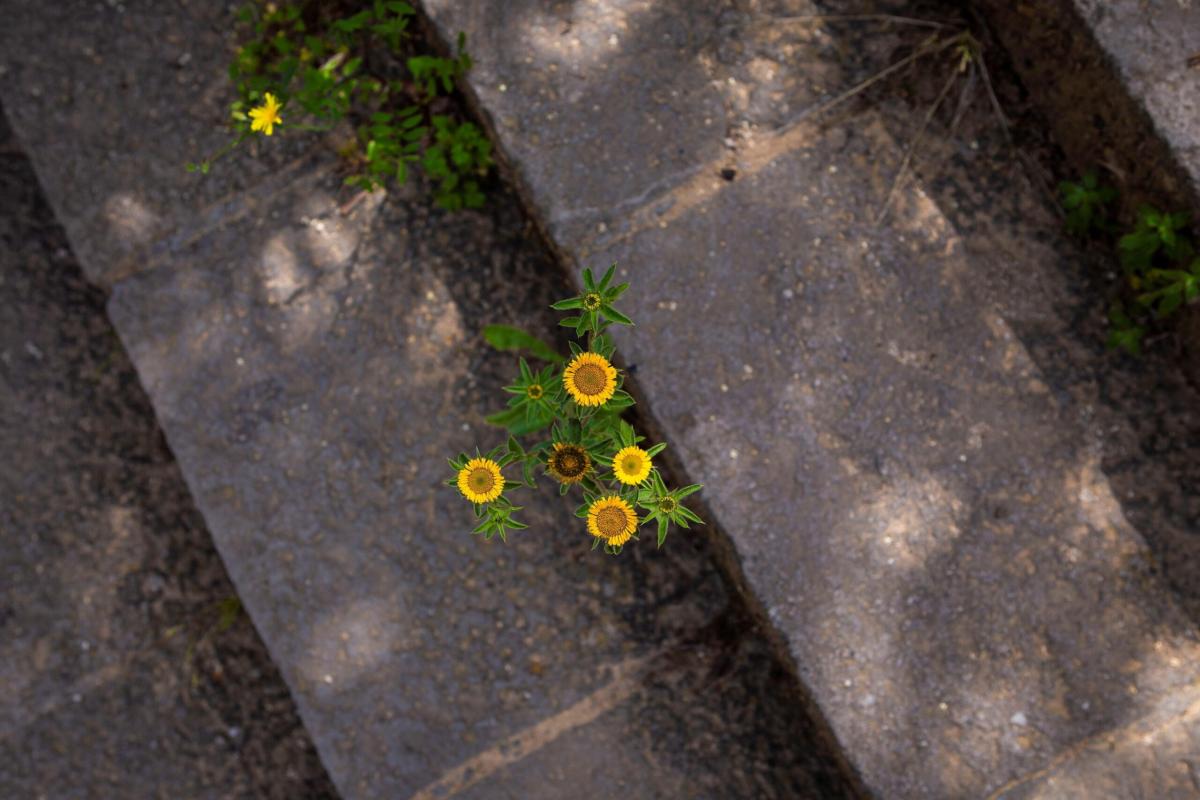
(579, 400)
(312, 66)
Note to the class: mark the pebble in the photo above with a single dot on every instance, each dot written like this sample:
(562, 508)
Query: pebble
(1018, 719)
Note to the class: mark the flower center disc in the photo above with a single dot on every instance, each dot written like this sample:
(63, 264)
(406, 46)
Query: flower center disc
(610, 521)
(632, 464)
(590, 379)
(591, 301)
(481, 480)
(569, 462)
(534, 392)
(667, 504)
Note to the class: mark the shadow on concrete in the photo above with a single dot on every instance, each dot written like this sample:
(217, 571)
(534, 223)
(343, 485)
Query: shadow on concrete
(108, 580)
(313, 370)
(1019, 583)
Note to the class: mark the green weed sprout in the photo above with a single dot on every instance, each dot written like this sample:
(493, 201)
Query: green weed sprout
(1159, 262)
(1161, 268)
(589, 446)
(1087, 204)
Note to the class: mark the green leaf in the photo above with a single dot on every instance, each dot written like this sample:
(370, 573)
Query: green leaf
(1172, 299)
(1137, 249)
(607, 277)
(616, 316)
(506, 337)
(620, 399)
(1127, 339)
(567, 305)
(539, 420)
(354, 23)
(507, 417)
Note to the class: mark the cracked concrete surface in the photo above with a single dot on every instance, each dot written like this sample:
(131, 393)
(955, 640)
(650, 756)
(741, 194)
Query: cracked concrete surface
(903, 428)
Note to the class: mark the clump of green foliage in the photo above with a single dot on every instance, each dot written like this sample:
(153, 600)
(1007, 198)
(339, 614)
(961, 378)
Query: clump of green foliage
(589, 447)
(1158, 260)
(323, 65)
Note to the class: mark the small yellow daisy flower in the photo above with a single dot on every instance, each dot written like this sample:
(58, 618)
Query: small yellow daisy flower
(480, 480)
(569, 463)
(631, 465)
(265, 117)
(590, 379)
(534, 391)
(612, 519)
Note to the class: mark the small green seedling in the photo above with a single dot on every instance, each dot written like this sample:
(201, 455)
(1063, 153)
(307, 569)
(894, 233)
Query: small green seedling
(1087, 204)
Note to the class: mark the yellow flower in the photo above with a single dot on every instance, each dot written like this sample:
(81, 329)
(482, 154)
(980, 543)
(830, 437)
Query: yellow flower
(480, 480)
(534, 391)
(569, 463)
(612, 519)
(265, 117)
(631, 465)
(590, 379)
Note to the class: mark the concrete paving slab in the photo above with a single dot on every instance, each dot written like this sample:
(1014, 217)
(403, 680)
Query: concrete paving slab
(312, 367)
(312, 371)
(921, 506)
(112, 99)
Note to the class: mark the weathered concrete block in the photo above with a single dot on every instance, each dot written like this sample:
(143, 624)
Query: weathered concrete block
(922, 513)
(112, 100)
(312, 372)
(313, 358)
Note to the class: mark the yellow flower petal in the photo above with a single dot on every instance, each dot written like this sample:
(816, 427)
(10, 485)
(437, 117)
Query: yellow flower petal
(480, 480)
(265, 117)
(612, 519)
(590, 379)
(631, 465)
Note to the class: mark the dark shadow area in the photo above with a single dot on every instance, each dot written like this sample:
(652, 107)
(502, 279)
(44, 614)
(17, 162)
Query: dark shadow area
(119, 678)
